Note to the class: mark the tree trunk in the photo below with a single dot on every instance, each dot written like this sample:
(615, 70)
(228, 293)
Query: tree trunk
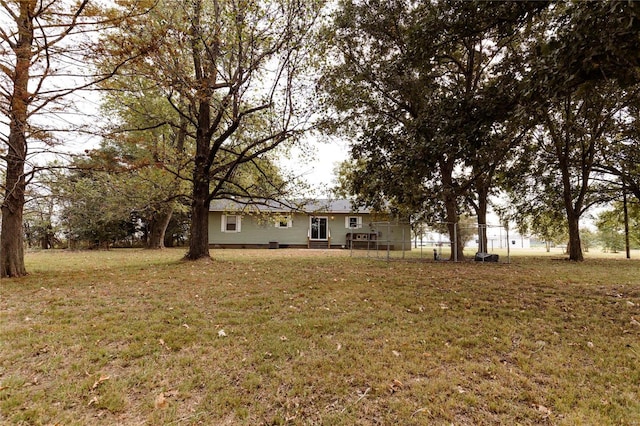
(169, 241)
(574, 247)
(199, 230)
(481, 213)
(451, 207)
(12, 242)
(46, 241)
(157, 228)
(11, 235)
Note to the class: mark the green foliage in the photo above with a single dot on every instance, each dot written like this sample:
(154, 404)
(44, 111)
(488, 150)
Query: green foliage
(39, 219)
(589, 41)
(424, 90)
(610, 224)
(93, 210)
(440, 97)
(621, 157)
(229, 75)
(148, 145)
(589, 239)
(580, 105)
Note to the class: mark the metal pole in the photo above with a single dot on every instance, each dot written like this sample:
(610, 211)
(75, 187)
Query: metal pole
(388, 240)
(351, 244)
(403, 242)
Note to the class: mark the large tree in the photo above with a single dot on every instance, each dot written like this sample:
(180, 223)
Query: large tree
(561, 169)
(146, 141)
(42, 44)
(418, 85)
(231, 69)
(579, 79)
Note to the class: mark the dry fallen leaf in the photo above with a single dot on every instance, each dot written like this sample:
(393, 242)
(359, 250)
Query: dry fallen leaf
(395, 385)
(544, 410)
(103, 378)
(171, 393)
(160, 401)
(395, 353)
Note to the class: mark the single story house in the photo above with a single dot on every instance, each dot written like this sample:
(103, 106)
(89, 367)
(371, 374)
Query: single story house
(313, 224)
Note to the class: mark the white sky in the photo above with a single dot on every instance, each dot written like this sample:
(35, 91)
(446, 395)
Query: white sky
(318, 169)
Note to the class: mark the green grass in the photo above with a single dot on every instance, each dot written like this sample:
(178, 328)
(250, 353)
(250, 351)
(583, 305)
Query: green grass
(135, 337)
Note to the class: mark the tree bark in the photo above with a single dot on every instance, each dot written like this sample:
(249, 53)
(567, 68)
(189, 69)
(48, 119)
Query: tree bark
(11, 235)
(481, 213)
(158, 226)
(575, 246)
(12, 240)
(46, 241)
(451, 208)
(199, 229)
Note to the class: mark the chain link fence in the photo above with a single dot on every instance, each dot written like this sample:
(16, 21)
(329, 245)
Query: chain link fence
(399, 241)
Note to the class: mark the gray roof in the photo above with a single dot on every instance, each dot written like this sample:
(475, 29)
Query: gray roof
(306, 206)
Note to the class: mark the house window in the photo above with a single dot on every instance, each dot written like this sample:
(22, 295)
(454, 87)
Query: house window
(353, 222)
(284, 222)
(230, 223)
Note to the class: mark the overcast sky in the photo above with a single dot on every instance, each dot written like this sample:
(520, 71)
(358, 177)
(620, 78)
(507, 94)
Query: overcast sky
(318, 170)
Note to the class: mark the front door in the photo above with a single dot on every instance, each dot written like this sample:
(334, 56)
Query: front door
(319, 228)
